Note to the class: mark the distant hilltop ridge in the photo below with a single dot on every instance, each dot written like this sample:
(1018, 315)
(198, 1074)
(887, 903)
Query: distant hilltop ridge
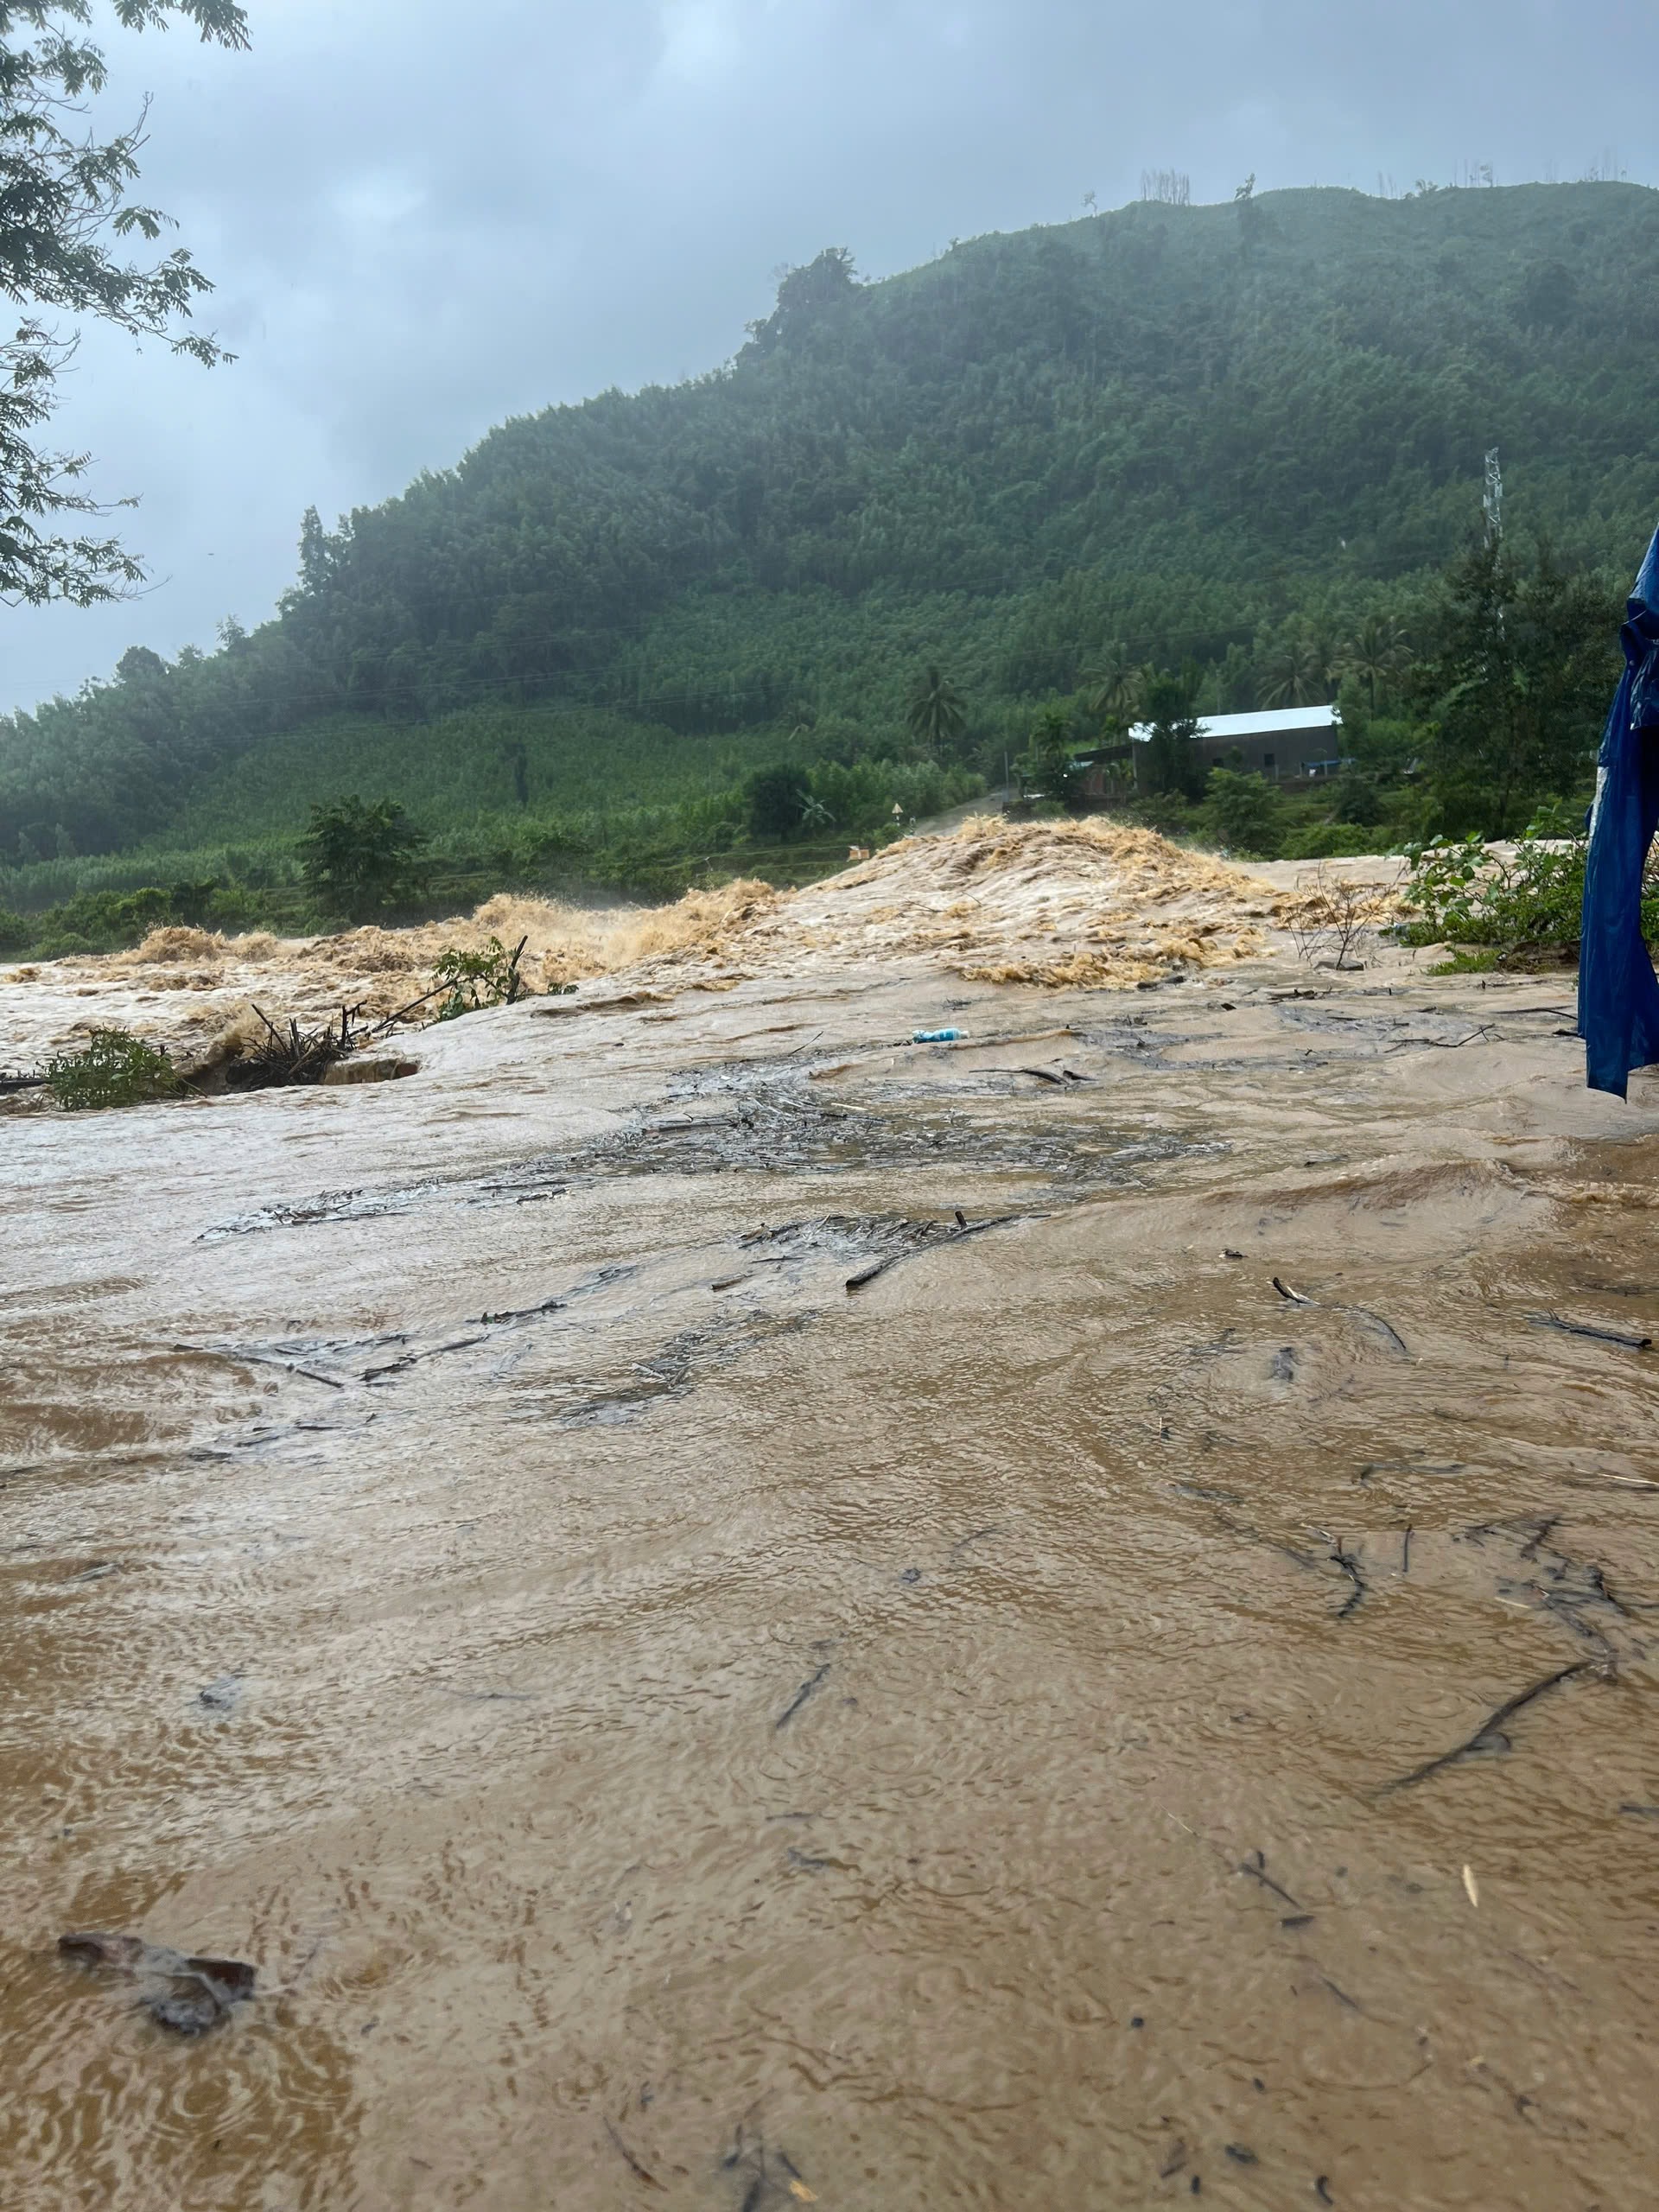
(1188, 433)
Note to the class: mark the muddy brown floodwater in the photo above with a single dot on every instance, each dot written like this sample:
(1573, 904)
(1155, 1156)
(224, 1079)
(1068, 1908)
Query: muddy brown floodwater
(1053, 1724)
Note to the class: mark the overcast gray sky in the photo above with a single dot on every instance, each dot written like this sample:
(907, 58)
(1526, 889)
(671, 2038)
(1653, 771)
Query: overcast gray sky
(423, 218)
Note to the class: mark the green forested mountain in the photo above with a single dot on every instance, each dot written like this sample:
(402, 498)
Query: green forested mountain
(1220, 436)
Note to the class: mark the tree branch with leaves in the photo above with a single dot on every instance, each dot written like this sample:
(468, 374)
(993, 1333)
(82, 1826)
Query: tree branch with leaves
(67, 225)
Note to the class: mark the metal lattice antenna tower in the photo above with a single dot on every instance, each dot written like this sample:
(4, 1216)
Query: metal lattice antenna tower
(1492, 500)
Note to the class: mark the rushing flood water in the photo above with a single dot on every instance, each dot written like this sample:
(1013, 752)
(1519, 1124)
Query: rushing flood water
(1028, 1730)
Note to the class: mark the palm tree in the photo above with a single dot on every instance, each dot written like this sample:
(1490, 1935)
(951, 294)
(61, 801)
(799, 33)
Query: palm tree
(938, 713)
(1294, 673)
(1115, 686)
(1374, 654)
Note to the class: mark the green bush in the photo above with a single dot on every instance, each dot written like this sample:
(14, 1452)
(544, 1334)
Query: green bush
(231, 908)
(1167, 812)
(1559, 817)
(1243, 813)
(1047, 768)
(487, 977)
(192, 901)
(115, 1070)
(105, 921)
(1358, 800)
(857, 800)
(1328, 840)
(1526, 907)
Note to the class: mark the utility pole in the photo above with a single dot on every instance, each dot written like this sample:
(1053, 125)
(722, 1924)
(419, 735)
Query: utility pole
(1492, 507)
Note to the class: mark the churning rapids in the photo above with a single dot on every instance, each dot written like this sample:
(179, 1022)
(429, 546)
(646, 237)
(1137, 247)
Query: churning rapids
(693, 1679)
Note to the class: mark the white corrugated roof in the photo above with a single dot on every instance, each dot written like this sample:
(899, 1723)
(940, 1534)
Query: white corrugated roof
(1279, 721)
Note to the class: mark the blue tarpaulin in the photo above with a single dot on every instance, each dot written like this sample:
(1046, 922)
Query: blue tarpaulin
(1618, 994)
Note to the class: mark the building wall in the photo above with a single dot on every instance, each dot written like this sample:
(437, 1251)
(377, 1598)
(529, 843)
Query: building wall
(1280, 756)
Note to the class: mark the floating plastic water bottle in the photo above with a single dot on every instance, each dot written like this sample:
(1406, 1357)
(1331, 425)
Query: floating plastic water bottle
(937, 1036)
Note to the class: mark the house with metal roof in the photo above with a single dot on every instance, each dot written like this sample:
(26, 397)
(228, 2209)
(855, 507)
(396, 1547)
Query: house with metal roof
(1281, 743)
(1284, 744)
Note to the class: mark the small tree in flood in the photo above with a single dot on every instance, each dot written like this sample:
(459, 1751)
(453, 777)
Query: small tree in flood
(359, 860)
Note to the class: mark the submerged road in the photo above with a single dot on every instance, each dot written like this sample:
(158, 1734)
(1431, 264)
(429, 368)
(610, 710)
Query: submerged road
(692, 1679)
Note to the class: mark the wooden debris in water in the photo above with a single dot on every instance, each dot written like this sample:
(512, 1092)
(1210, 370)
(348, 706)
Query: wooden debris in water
(1583, 1329)
(1490, 1736)
(185, 1994)
(301, 1056)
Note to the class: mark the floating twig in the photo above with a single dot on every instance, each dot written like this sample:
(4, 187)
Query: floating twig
(1546, 1526)
(1350, 1568)
(1583, 1329)
(489, 1697)
(1444, 1044)
(533, 1312)
(978, 1536)
(1256, 1867)
(390, 1020)
(812, 1682)
(260, 1359)
(1390, 1336)
(643, 2173)
(1490, 1736)
(1341, 1995)
(933, 1244)
(414, 1358)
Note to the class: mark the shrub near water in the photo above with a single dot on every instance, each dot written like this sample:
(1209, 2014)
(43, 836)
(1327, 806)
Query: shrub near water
(488, 977)
(115, 1069)
(1467, 896)
(1244, 813)
(1521, 910)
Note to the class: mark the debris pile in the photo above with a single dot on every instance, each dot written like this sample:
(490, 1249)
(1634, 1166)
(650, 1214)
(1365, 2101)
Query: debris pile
(271, 1059)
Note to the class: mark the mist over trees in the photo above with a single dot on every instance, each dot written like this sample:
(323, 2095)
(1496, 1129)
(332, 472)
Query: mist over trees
(1236, 445)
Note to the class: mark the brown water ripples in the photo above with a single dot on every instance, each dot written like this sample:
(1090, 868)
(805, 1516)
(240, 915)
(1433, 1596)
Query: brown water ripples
(664, 1724)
